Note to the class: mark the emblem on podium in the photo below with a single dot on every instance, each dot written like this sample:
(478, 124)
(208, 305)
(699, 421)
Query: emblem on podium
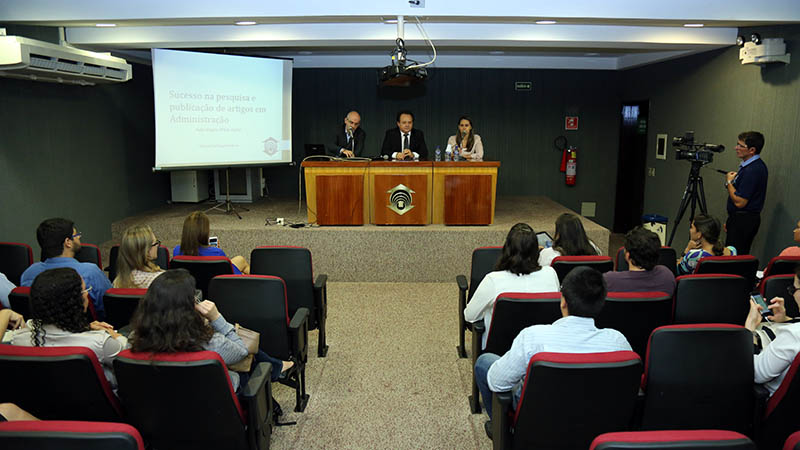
(400, 199)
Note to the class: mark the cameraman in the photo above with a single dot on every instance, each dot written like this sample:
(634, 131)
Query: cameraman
(747, 189)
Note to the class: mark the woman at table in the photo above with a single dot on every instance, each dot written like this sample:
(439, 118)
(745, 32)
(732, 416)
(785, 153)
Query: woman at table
(469, 143)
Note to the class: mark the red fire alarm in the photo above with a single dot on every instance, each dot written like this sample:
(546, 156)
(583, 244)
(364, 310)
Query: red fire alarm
(571, 123)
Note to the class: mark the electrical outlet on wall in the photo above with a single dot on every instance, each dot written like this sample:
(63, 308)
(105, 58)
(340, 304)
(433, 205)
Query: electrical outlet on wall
(588, 209)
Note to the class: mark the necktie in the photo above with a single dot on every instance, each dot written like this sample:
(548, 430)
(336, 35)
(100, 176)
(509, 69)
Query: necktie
(405, 141)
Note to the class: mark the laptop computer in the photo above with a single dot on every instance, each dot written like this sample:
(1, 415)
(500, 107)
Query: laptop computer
(314, 149)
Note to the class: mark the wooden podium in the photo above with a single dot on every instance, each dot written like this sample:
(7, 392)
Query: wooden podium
(401, 192)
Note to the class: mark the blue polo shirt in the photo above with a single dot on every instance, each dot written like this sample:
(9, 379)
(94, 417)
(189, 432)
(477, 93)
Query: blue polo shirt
(91, 274)
(750, 183)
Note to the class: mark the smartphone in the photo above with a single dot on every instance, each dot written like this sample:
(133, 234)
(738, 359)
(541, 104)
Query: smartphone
(213, 241)
(760, 300)
(198, 296)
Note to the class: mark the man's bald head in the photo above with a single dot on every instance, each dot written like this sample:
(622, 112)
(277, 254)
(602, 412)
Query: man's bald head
(353, 120)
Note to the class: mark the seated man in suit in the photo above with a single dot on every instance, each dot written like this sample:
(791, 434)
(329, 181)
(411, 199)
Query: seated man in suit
(349, 140)
(644, 273)
(583, 293)
(60, 242)
(404, 142)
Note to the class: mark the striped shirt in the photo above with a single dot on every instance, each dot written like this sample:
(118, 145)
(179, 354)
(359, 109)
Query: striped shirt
(571, 334)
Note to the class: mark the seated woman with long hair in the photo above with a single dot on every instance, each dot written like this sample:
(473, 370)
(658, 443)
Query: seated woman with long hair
(168, 320)
(517, 270)
(470, 144)
(703, 241)
(135, 267)
(570, 240)
(194, 242)
(59, 299)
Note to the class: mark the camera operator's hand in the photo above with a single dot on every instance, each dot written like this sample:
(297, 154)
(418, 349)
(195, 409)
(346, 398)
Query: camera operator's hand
(731, 176)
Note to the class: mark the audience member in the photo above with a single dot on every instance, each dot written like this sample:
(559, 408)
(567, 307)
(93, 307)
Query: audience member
(60, 242)
(469, 143)
(169, 320)
(10, 412)
(59, 299)
(746, 189)
(582, 296)
(194, 242)
(6, 287)
(644, 273)
(774, 360)
(135, 267)
(517, 270)
(793, 250)
(10, 320)
(405, 141)
(349, 139)
(570, 240)
(704, 241)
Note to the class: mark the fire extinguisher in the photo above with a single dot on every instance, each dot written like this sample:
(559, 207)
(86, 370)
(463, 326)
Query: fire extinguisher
(572, 166)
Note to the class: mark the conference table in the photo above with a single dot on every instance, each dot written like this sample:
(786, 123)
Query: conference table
(400, 192)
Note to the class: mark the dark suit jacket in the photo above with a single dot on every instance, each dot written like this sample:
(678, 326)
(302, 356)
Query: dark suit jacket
(392, 143)
(340, 142)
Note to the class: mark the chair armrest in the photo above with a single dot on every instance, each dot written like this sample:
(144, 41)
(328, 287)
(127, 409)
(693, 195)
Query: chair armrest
(257, 395)
(501, 427)
(761, 395)
(321, 282)
(461, 281)
(478, 328)
(321, 297)
(298, 329)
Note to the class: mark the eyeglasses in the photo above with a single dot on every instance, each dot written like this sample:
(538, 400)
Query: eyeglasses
(791, 289)
(86, 291)
(155, 244)
(77, 235)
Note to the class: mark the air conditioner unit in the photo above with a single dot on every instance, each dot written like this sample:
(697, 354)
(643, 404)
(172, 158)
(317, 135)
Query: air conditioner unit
(42, 61)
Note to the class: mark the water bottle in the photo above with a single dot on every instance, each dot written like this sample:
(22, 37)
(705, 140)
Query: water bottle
(448, 154)
(456, 155)
(438, 153)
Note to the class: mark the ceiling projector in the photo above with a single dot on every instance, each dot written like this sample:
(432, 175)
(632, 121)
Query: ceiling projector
(401, 74)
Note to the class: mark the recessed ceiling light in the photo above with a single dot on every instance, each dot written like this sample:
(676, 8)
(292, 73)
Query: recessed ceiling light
(497, 52)
(591, 54)
(245, 22)
(105, 25)
(304, 52)
(545, 22)
(693, 25)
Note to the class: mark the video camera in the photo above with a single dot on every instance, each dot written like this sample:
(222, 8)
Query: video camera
(685, 148)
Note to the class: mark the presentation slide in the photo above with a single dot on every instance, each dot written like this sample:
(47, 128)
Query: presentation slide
(216, 110)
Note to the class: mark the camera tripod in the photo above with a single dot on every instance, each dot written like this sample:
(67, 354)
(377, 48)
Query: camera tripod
(693, 194)
(227, 205)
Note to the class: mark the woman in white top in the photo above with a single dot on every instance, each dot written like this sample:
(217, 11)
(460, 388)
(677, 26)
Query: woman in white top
(517, 270)
(570, 240)
(135, 267)
(469, 143)
(59, 299)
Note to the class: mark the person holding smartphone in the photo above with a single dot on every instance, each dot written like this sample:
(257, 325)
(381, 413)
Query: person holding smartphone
(772, 363)
(195, 241)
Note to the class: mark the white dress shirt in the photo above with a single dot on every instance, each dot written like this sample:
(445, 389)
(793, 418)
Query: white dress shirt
(774, 361)
(402, 137)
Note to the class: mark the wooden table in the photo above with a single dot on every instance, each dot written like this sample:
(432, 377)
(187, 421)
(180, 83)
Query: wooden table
(401, 192)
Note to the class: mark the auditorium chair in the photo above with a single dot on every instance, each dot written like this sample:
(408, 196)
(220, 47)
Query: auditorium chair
(258, 302)
(699, 376)
(742, 265)
(483, 262)
(15, 257)
(567, 400)
(564, 264)
(511, 313)
(793, 441)
(120, 305)
(185, 401)
(294, 266)
(711, 298)
(20, 300)
(673, 440)
(778, 286)
(636, 315)
(666, 257)
(162, 260)
(782, 411)
(67, 435)
(203, 268)
(90, 253)
(57, 383)
(781, 265)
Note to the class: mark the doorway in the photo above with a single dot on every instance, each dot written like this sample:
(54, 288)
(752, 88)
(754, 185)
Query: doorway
(631, 166)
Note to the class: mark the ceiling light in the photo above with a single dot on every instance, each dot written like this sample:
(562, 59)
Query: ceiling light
(591, 54)
(105, 25)
(245, 22)
(497, 52)
(693, 25)
(304, 52)
(545, 22)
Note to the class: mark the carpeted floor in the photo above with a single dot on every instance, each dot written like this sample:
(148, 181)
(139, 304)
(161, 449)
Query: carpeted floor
(392, 378)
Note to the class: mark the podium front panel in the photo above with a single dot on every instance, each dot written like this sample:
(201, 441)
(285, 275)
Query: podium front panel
(340, 200)
(468, 199)
(400, 193)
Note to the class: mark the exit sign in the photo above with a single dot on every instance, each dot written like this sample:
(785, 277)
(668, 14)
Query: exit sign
(523, 86)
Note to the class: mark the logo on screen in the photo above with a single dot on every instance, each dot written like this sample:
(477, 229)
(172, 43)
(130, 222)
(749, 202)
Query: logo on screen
(400, 199)
(270, 146)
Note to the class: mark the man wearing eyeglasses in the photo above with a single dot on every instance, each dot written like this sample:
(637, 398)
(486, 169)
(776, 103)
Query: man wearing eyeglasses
(349, 140)
(747, 189)
(60, 242)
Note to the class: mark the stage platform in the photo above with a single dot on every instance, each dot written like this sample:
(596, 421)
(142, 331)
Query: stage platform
(432, 253)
